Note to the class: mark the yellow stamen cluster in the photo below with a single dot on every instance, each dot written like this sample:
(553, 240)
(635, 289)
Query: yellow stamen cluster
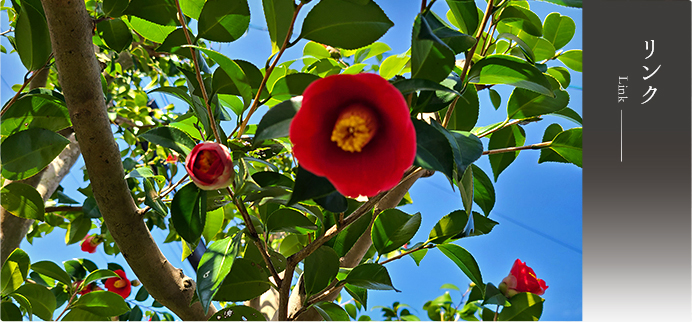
(355, 127)
(205, 160)
(120, 283)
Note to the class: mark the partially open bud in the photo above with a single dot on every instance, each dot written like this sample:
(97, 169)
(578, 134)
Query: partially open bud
(210, 166)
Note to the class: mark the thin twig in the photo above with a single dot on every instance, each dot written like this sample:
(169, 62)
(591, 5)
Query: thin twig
(62, 208)
(26, 82)
(424, 246)
(536, 146)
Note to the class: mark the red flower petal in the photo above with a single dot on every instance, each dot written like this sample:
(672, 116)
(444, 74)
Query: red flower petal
(382, 161)
(88, 245)
(210, 166)
(526, 280)
(119, 285)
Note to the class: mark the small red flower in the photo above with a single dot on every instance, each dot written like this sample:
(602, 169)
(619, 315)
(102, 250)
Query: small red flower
(210, 166)
(90, 242)
(172, 158)
(522, 278)
(119, 285)
(356, 131)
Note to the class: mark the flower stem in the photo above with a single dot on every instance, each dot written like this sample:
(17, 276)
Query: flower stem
(198, 73)
(268, 71)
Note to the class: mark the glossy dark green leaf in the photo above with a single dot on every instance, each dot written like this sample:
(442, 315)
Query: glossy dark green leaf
(90, 208)
(561, 74)
(252, 253)
(25, 153)
(418, 256)
(217, 262)
(14, 271)
(115, 33)
(558, 29)
(51, 270)
(525, 307)
(96, 275)
(22, 200)
(32, 39)
(10, 312)
(292, 84)
(277, 121)
(320, 270)
(77, 230)
(114, 8)
(188, 212)
(152, 199)
(393, 228)
(572, 59)
(173, 42)
(345, 24)
(471, 149)
(568, 144)
(448, 226)
(495, 98)
(162, 12)
(102, 303)
(466, 110)
(483, 190)
(289, 220)
(278, 14)
(170, 137)
(358, 293)
(524, 103)
(510, 136)
(233, 70)
(245, 281)
(223, 84)
(331, 311)
(567, 3)
(143, 172)
(433, 151)
(237, 313)
(370, 276)
(457, 41)
(407, 86)
(43, 302)
(334, 202)
(505, 69)
(549, 154)
(149, 30)
(464, 261)
(309, 186)
(494, 296)
(32, 111)
(223, 20)
(522, 18)
(75, 269)
(431, 58)
(465, 184)
(465, 13)
(569, 114)
(525, 48)
(344, 241)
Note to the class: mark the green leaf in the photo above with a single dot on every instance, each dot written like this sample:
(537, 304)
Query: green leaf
(146, 173)
(161, 12)
(372, 50)
(561, 74)
(223, 20)
(344, 241)
(505, 69)
(22, 200)
(495, 98)
(431, 58)
(457, 41)
(170, 137)
(448, 226)
(558, 29)
(289, 220)
(569, 114)
(237, 313)
(32, 111)
(524, 103)
(549, 154)
(334, 202)
(32, 39)
(494, 296)
(393, 228)
(523, 19)
(331, 311)
(470, 147)
(233, 70)
(370, 276)
(25, 153)
(10, 312)
(465, 13)
(525, 48)
(75, 269)
(394, 65)
(192, 8)
(114, 8)
(418, 255)
(465, 184)
(142, 295)
(115, 33)
(510, 136)
(77, 230)
(358, 293)
(309, 186)
(572, 59)
(292, 84)
(96, 275)
(434, 151)
(407, 86)
(568, 144)
(215, 264)
(42, 300)
(345, 24)
(51, 270)
(320, 269)
(245, 281)
(525, 307)
(102, 303)
(188, 212)
(278, 14)
(483, 190)
(24, 303)
(464, 261)
(149, 30)
(14, 271)
(567, 3)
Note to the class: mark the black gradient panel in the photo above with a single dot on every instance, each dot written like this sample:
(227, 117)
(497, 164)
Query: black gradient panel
(637, 204)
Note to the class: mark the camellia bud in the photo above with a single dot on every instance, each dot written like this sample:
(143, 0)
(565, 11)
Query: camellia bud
(210, 166)
(135, 283)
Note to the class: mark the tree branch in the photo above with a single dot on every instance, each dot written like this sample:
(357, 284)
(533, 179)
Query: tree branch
(78, 72)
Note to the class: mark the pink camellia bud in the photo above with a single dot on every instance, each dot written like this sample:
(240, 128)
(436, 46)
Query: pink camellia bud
(522, 278)
(210, 166)
(90, 242)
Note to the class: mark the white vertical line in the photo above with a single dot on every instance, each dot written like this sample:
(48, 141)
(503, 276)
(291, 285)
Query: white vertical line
(620, 135)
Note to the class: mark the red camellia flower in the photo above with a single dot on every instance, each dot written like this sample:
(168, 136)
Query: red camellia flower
(173, 158)
(522, 278)
(356, 131)
(120, 285)
(210, 166)
(90, 242)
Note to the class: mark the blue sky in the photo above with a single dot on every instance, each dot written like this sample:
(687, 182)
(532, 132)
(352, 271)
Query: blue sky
(539, 206)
